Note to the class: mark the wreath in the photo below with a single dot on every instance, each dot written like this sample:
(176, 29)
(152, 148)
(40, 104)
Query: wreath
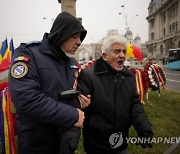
(156, 76)
(152, 77)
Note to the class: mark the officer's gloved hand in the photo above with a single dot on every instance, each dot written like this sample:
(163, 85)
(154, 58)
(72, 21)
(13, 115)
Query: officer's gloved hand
(146, 137)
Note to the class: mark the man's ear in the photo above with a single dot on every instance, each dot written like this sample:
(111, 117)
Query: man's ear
(104, 56)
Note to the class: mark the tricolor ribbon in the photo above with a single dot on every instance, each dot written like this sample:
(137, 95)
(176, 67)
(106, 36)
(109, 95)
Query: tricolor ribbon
(156, 76)
(139, 84)
(74, 67)
(160, 76)
(2, 123)
(6, 132)
(79, 70)
(8, 142)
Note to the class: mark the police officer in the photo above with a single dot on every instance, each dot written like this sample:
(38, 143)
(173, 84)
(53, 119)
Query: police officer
(38, 73)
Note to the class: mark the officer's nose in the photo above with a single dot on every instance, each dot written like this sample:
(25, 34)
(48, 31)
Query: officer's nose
(78, 41)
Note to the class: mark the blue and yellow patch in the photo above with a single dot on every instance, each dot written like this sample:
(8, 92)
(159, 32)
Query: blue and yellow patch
(19, 70)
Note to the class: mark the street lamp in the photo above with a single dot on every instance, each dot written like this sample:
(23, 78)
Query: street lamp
(125, 17)
(133, 18)
(125, 20)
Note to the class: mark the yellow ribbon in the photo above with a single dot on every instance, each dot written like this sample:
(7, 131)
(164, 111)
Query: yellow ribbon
(6, 133)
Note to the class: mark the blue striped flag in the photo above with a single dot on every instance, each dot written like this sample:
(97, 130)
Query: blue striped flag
(3, 49)
(11, 47)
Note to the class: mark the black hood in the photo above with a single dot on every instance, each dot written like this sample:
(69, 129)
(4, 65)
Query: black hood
(64, 26)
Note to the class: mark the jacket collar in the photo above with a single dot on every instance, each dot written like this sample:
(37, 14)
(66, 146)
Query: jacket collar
(100, 67)
(47, 49)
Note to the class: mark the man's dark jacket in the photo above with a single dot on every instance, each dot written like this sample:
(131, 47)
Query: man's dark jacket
(39, 109)
(114, 107)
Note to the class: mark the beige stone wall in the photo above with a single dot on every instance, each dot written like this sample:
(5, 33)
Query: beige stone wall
(69, 6)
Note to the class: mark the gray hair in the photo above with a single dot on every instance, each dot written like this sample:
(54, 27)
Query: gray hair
(110, 40)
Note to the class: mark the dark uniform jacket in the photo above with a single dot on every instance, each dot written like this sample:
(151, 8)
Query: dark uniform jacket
(38, 73)
(114, 107)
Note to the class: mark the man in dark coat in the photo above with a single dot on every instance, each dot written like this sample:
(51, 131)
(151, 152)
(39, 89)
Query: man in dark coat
(38, 73)
(115, 104)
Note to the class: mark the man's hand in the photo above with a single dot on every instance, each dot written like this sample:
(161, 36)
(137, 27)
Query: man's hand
(85, 101)
(80, 120)
(146, 138)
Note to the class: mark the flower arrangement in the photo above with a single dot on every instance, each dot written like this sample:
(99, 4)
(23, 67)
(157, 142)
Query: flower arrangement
(151, 77)
(156, 76)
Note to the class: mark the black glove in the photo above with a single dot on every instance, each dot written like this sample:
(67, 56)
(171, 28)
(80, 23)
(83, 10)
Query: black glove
(68, 146)
(69, 140)
(74, 144)
(146, 138)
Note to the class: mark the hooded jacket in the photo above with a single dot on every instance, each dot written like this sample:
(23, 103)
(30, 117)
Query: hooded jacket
(64, 26)
(39, 71)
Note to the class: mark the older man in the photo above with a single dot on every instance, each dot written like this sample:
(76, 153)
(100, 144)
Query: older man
(115, 104)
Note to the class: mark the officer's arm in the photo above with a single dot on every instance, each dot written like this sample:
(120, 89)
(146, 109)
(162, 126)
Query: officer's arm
(85, 86)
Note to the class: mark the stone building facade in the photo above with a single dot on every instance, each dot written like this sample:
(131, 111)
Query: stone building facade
(164, 27)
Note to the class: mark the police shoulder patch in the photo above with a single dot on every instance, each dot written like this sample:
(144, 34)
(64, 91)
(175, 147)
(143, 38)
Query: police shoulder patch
(19, 70)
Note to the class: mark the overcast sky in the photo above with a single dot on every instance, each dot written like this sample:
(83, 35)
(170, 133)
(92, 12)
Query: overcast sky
(24, 19)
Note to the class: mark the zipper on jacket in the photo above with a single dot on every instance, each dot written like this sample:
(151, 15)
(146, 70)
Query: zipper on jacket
(116, 77)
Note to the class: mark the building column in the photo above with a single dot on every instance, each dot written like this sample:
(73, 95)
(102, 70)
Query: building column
(68, 6)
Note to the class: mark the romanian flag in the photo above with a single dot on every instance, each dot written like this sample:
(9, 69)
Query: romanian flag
(0, 52)
(6, 60)
(7, 118)
(134, 52)
(4, 64)
(4, 47)
(0, 46)
(6, 53)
